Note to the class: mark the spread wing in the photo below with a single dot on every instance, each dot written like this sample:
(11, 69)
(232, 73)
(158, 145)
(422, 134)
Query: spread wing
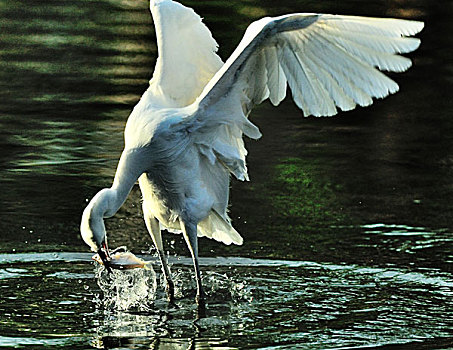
(187, 57)
(328, 61)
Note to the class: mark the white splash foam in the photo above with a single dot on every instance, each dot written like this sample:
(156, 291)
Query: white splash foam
(127, 289)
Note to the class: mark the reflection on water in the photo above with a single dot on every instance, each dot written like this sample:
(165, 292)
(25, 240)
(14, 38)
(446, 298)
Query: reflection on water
(137, 289)
(250, 302)
(347, 221)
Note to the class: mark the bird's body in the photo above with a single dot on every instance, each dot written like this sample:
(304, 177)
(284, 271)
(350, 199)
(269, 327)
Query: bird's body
(184, 139)
(176, 179)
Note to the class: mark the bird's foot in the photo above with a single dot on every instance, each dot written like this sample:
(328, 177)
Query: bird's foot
(201, 305)
(200, 299)
(170, 290)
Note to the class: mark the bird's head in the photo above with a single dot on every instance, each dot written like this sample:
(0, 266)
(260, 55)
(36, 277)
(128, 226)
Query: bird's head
(92, 226)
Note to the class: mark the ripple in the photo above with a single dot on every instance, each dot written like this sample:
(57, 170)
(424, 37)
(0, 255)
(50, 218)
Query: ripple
(70, 275)
(398, 230)
(327, 304)
(29, 341)
(430, 277)
(12, 273)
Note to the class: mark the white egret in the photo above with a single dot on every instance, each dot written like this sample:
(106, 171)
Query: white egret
(183, 139)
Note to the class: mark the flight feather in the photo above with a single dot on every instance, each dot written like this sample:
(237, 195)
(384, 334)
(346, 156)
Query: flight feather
(187, 57)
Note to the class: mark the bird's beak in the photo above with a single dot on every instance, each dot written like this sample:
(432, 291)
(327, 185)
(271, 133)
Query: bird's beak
(104, 254)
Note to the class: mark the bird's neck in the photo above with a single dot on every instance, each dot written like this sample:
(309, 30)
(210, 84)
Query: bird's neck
(107, 201)
(127, 173)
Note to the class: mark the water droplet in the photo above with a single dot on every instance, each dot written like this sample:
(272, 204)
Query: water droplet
(127, 289)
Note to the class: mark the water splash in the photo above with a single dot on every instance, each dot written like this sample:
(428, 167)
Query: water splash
(226, 288)
(218, 286)
(133, 289)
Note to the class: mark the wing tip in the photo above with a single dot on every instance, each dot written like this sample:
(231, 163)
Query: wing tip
(418, 26)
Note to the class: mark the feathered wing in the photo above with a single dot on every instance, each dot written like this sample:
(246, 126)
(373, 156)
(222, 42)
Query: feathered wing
(187, 58)
(328, 61)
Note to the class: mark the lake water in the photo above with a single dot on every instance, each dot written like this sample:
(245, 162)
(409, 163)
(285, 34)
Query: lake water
(347, 221)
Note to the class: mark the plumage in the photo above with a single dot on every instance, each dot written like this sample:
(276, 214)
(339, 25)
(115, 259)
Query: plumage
(187, 54)
(184, 139)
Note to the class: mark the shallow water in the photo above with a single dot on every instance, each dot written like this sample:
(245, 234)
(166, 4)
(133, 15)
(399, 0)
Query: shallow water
(347, 221)
(251, 302)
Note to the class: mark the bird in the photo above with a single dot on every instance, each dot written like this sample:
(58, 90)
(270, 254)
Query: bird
(183, 141)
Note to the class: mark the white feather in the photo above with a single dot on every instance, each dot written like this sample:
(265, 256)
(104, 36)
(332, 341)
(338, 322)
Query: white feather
(185, 137)
(275, 75)
(378, 43)
(187, 54)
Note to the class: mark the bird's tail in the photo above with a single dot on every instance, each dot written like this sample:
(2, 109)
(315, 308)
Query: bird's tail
(216, 227)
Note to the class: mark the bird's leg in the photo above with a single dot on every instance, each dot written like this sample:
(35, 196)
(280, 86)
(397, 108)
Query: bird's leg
(154, 230)
(169, 286)
(189, 231)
